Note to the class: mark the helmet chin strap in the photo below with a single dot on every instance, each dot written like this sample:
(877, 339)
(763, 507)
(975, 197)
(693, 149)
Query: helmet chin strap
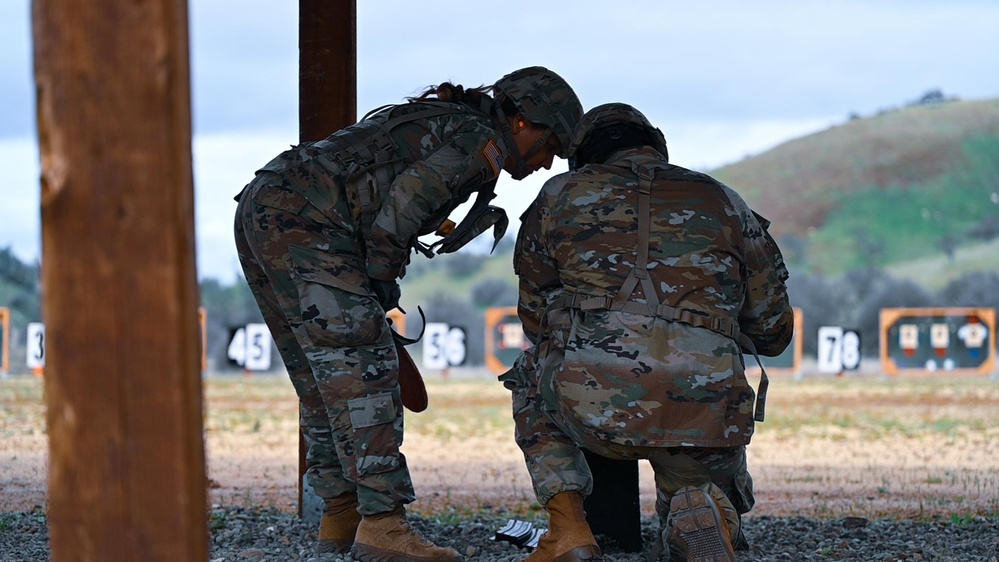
(542, 140)
(520, 164)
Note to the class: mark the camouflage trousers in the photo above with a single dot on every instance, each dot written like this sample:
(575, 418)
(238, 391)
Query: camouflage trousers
(552, 444)
(336, 346)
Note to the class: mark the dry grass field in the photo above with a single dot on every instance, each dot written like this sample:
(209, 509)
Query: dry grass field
(863, 446)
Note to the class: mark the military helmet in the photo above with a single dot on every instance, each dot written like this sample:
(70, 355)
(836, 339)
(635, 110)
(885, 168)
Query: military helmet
(542, 97)
(607, 116)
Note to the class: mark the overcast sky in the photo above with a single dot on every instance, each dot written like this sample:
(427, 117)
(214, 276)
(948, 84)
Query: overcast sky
(722, 79)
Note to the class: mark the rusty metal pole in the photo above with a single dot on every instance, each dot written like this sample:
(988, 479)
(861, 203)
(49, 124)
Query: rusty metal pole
(327, 87)
(120, 293)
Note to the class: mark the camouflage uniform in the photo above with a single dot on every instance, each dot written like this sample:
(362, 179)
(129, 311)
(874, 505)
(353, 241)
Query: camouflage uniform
(308, 258)
(325, 222)
(625, 375)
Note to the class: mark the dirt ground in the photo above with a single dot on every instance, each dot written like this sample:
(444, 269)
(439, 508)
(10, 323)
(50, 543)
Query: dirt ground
(875, 449)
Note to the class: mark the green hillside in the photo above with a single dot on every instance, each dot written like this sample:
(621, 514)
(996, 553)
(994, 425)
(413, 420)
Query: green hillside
(935, 271)
(906, 184)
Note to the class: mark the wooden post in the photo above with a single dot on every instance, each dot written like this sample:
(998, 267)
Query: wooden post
(120, 294)
(327, 88)
(4, 340)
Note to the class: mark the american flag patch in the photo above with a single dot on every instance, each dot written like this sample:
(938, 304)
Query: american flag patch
(492, 154)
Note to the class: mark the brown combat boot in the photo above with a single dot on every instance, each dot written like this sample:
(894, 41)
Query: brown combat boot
(569, 538)
(339, 524)
(697, 528)
(387, 537)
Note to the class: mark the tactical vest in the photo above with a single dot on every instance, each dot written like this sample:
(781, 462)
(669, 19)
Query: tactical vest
(624, 300)
(368, 148)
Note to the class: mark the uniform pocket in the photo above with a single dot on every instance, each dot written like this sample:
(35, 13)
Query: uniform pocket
(743, 498)
(337, 308)
(266, 190)
(377, 423)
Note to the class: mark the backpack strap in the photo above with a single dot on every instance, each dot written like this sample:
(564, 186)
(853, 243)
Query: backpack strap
(639, 274)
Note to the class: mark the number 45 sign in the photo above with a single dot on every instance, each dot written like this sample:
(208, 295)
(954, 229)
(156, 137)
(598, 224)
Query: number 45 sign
(250, 347)
(838, 349)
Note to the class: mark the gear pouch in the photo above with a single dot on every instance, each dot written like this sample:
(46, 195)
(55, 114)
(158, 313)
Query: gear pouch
(377, 423)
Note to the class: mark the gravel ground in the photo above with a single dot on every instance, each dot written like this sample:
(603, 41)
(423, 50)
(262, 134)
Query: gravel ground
(247, 535)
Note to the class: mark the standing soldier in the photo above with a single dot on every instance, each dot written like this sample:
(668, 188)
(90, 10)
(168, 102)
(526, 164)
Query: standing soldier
(641, 283)
(323, 233)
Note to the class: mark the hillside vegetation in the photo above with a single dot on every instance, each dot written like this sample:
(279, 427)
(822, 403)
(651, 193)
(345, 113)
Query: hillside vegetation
(905, 184)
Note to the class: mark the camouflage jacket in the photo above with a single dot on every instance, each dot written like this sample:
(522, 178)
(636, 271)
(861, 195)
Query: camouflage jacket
(389, 188)
(640, 379)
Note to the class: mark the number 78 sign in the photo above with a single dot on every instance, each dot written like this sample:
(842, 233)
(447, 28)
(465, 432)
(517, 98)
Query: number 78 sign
(838, 349)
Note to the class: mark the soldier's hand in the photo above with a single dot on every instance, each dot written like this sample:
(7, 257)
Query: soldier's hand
(387, 293)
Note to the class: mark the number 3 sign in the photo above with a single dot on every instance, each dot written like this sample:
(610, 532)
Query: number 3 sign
(36, 345)
(838, 350)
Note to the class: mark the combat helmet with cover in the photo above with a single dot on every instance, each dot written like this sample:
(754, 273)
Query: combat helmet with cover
(610, 127)
(542, 97)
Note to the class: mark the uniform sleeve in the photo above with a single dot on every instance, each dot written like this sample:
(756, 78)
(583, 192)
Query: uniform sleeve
(421, 190)
(535, 268)
(766, 316)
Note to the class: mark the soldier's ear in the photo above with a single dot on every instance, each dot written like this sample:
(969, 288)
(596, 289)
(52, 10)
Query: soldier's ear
(517, 123)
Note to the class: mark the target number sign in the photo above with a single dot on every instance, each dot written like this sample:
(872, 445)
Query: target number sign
(250, 347)
(36, 345)
(838, 349)
(443, 346)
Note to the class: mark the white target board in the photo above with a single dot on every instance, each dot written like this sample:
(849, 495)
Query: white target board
(838, 349)
(443, 346)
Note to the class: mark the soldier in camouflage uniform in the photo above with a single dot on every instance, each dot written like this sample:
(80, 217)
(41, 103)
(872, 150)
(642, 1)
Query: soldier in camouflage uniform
(641, 283)
(323, 233)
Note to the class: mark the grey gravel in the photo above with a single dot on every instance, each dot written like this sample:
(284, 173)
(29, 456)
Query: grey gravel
(265, 535)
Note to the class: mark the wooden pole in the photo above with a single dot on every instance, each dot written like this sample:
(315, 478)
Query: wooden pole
(4, 340)
(327, 88)
(120, 293)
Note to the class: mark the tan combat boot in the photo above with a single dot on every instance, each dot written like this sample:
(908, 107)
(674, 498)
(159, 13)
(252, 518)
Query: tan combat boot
(387, 537)
(569, 538)
(697, 527)
(339, 524)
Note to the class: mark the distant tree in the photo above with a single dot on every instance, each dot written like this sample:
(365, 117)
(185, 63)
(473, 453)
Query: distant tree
(17, 273)
(932, 97)
(494, 292)
(987, 229)
(975, 289)
(463, 264)
(851, 301)
(822, 302)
